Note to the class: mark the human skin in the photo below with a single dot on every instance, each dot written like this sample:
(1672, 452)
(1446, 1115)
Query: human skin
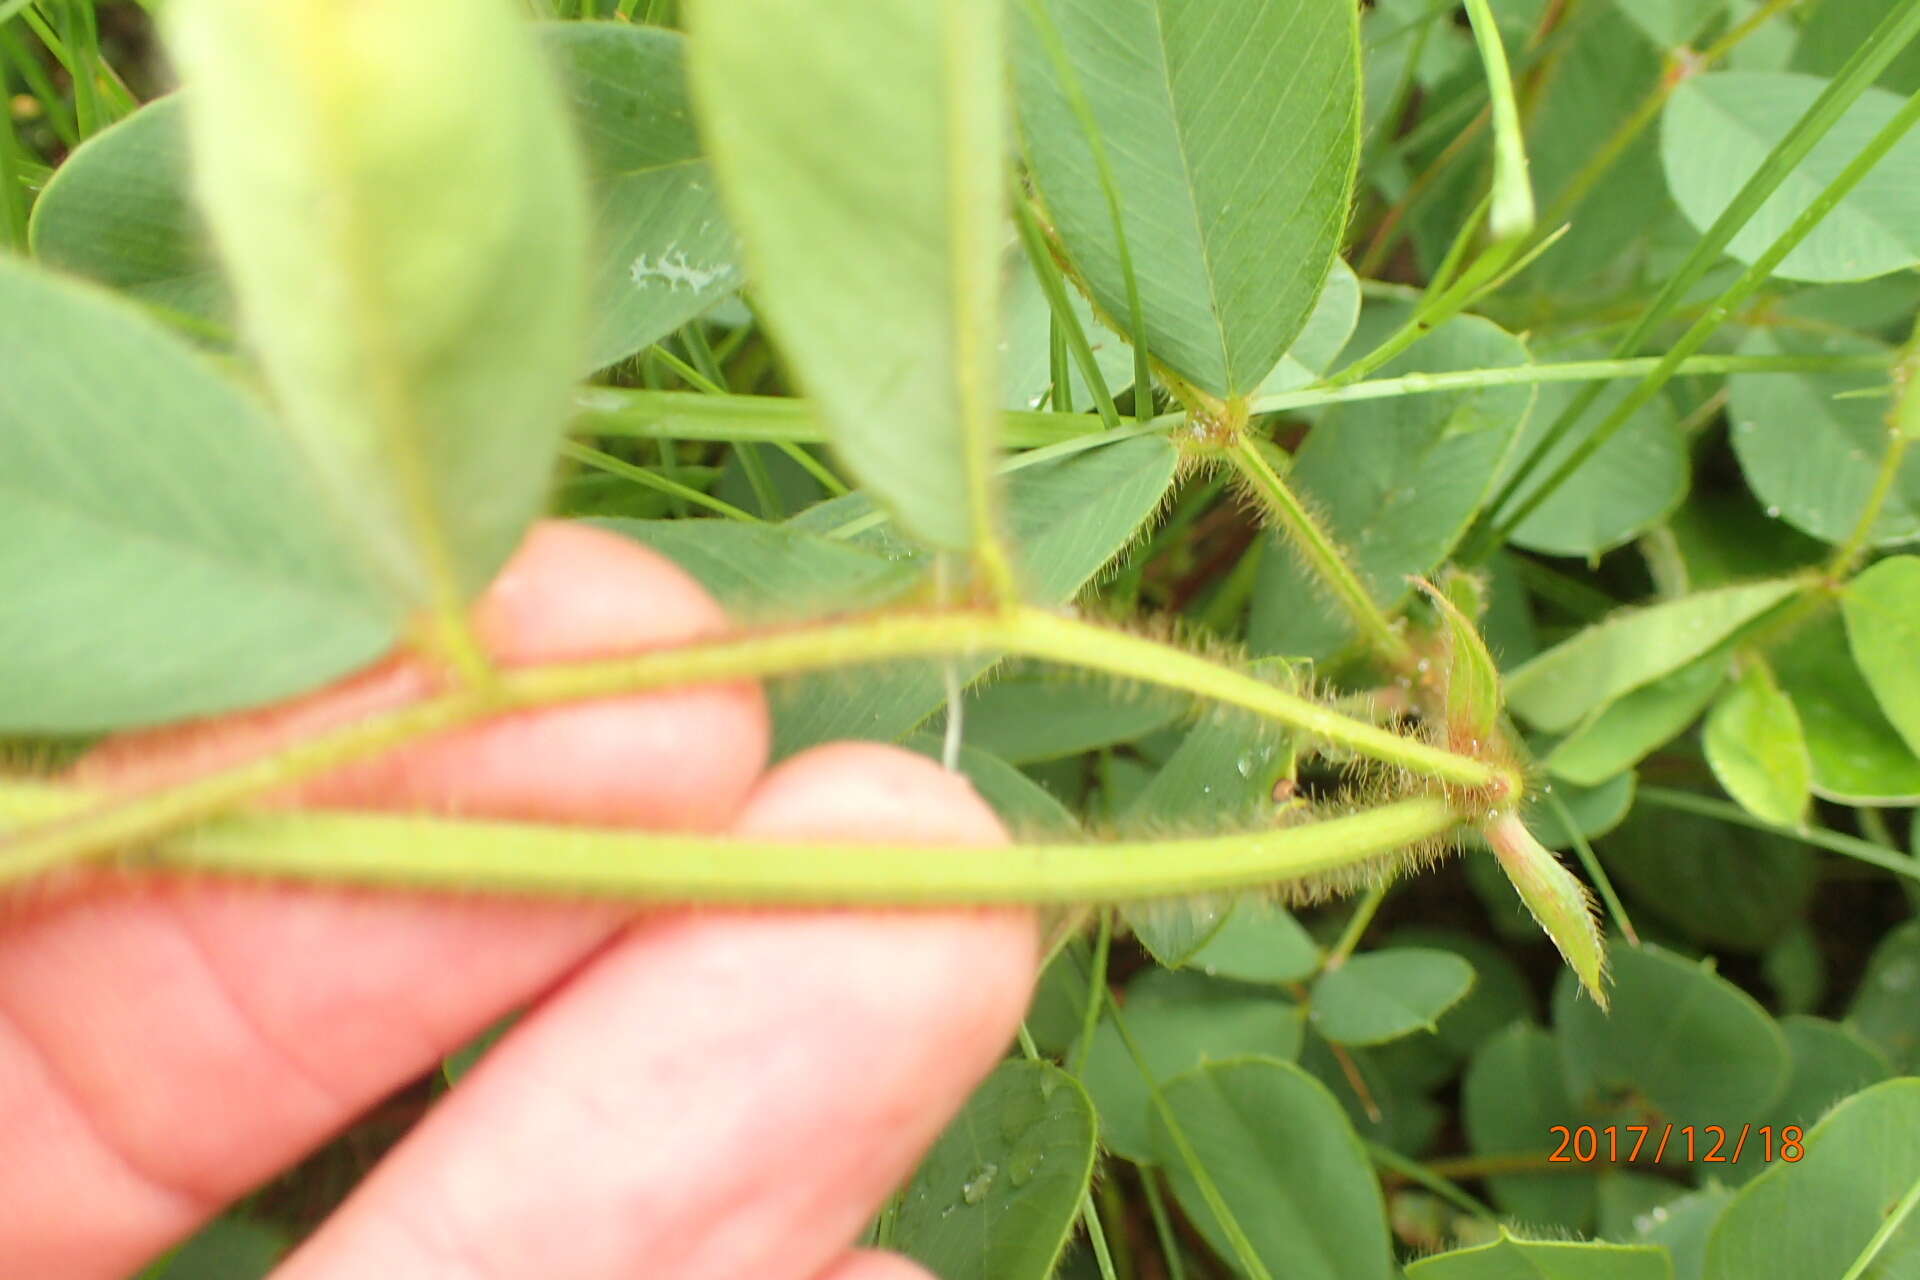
(690, 1093)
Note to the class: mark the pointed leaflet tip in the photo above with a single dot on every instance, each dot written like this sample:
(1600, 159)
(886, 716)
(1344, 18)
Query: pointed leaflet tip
(1471, 697)
(1559, 902)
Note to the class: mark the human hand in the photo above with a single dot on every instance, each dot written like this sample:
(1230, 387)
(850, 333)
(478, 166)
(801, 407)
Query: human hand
(708, 1094)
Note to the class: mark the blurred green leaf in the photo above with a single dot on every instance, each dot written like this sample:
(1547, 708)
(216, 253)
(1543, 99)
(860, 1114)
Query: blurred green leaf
(228, 1248)
(1722, 886)
(1810, 444)
(1178, 1020)
(1858, 757)
(662, 253)
(1718, 127)
(1382, 995)
(1232, 204)
(1288, 1165)
(1311, 357)
(1628, 485)
(1689, 1042)
(1632, 648)
(138, 486)
(1621, 734)
(1511, 1098)
(1886, 1008)
(1259, 941)
(1511, 1258)
(1882, 611)
(1068, 518)
(662, 250)
(407, 252)
(859, 146)
(1814, 1216)
(1036, 714)
(773, 573)
(999, 1194)
(1681, 1226)
(1671, 23)
(1757, 749)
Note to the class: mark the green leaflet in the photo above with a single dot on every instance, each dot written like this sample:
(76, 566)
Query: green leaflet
(1511, 1098)
(1287, 1163)
(1632, 648)
(1241, 133)
(1882, 611)
(1068, 519)
(998, 1196)
(1815, 1215)
(1179, 1021)
(1757, 749)
(1858, 756)
(164, 551)
(1810, 444)
(1511, 1258)
(1690, 1042)
(662, 250)
(859, 147)
(407, 254)
(117, 208)
(1383, 995)
(1717, 129)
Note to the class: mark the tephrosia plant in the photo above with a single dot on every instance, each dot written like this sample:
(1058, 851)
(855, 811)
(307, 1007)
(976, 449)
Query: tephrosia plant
(1267, 445)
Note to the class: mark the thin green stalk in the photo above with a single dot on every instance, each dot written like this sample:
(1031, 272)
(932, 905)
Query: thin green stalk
(519, 859)
(1903, 426)
(1097, 1237)
(1170, 1252)
(640, 475)
(1356, 927)
(1042, 19)
(683, 415)
(1322, 557)
(1749, 282)
(1096, 995)
(1513, 213)
(973, 129)
(1415, 1172)
(1854, 79)
(1244, 1253)
(1022, 631)
(1034, 239)
(1895, 1220)
(1832, 841)
(13, 196)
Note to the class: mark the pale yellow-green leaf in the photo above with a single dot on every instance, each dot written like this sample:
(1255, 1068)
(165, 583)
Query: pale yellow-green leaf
(394, 195)
(860, 147)
(1559, 902)
(1757, 749)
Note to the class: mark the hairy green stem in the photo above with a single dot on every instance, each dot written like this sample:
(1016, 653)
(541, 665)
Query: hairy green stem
(527, 858)
(1034, 633)
(1317, 548)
